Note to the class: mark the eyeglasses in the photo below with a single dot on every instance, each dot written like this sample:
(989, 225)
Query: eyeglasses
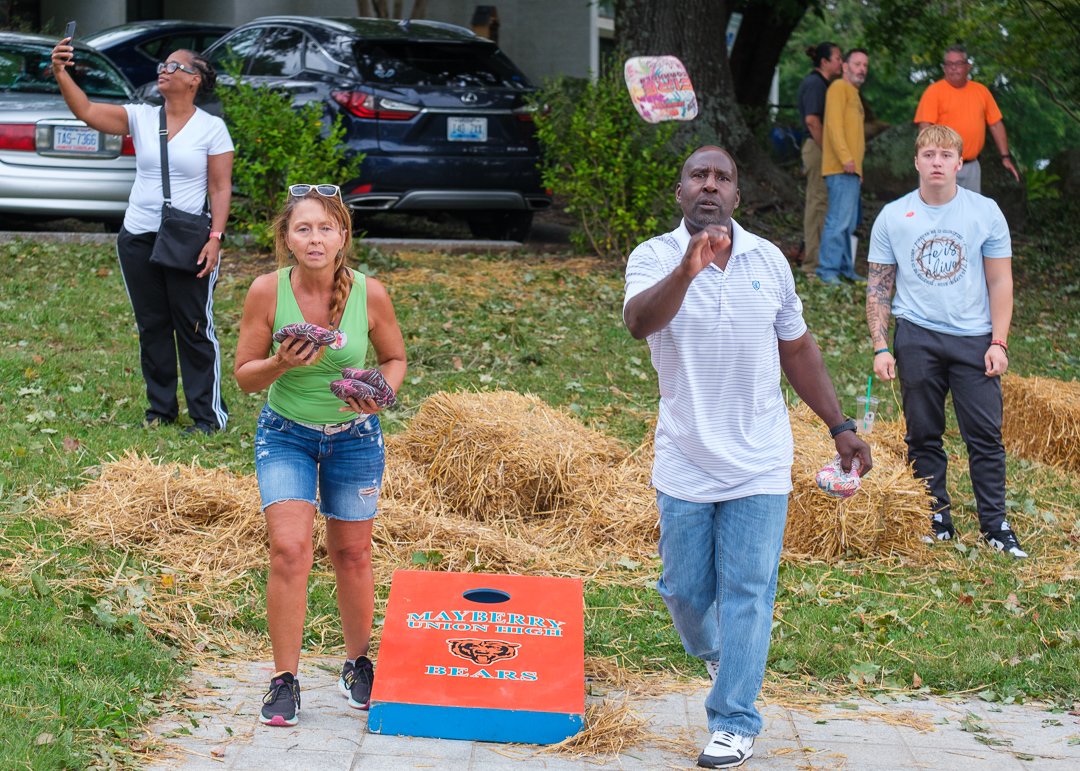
(961, 63)
(171, 67)
(326, 191)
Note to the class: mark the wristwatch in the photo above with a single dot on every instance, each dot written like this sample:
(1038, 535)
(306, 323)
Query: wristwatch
(218, 234)
(847, 425)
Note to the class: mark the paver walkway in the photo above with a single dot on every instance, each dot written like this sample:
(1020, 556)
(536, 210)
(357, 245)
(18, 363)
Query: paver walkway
(219, 730)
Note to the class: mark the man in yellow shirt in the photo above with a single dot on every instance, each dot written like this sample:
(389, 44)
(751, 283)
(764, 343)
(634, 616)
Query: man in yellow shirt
(968, 108)
(841, 166)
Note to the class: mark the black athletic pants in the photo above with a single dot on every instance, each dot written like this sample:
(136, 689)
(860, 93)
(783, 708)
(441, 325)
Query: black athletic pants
(930, 364)
(174, 312)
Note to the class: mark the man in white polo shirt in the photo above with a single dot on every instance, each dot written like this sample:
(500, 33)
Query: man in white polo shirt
(718, 307)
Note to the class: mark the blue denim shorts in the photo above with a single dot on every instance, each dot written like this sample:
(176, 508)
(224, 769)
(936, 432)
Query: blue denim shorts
(294, 461)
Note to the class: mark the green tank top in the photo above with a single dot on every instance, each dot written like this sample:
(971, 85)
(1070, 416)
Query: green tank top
(303, 393)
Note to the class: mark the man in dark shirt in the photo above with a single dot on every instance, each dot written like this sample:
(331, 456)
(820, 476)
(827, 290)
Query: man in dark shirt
(828, 64)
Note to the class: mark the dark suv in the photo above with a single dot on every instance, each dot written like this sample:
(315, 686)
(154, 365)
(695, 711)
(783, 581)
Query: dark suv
(440, 113)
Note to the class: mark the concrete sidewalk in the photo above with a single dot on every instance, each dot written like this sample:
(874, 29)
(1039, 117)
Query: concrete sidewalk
(219, 730)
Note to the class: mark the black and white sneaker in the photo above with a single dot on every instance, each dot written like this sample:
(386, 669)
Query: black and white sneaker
(281, 704)
(941, 530)
(1004, 540)
(713, 668)
(356, 681)
(726, 750)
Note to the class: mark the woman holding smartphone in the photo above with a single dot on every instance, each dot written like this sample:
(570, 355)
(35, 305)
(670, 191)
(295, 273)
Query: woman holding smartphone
(313, 452)
(173, 309)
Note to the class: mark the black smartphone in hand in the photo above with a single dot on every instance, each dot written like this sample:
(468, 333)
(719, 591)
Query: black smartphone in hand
(69, 30)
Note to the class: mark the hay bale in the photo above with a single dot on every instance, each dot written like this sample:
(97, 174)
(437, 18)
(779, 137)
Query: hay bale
(500, 454)
(888, 516)
(1042, 420)
(197, 520)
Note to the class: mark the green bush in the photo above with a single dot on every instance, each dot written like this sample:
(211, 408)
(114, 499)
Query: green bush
(615, 171)
(278, 145)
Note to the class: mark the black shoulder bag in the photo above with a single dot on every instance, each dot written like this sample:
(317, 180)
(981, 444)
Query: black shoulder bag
(181, 236)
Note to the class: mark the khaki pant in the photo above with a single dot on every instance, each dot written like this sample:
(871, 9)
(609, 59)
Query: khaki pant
(817, 204)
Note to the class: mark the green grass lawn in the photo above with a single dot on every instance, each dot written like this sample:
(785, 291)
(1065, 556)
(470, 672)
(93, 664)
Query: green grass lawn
(81, 675)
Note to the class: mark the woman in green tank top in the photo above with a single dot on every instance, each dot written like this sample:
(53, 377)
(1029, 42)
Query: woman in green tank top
(312, 450)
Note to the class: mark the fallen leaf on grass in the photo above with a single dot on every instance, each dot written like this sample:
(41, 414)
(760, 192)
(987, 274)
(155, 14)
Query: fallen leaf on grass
(70, 445)
(44, 739)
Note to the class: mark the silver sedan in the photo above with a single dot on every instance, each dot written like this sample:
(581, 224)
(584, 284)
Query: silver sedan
(52, 165)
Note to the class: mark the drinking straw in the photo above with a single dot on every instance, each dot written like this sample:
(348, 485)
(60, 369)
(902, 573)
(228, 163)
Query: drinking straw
(869, 380)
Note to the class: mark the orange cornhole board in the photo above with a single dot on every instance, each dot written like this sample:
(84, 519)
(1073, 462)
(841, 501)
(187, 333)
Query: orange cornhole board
(480, 656)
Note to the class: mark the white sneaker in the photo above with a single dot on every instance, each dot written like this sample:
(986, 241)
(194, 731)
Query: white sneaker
(713, 667)
(726, 750)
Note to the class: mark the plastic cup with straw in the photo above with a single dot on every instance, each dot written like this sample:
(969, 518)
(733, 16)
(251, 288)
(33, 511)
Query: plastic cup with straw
(867, 408)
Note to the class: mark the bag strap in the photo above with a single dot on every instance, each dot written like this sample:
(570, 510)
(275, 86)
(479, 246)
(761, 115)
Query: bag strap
(163, 135)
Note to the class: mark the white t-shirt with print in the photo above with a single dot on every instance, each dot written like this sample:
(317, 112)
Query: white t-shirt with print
(203, 135)
(938, 252)
(723, 430)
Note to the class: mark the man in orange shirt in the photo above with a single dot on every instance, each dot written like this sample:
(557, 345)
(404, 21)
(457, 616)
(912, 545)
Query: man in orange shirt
(968, 108)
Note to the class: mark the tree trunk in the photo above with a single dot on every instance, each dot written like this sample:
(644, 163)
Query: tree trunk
(765, 30)
(695, 31)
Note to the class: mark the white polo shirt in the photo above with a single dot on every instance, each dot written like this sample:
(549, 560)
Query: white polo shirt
(723, 431)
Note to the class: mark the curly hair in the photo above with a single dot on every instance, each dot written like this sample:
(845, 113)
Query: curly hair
(337, 211)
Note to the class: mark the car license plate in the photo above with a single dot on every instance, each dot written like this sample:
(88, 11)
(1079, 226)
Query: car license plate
(466, 129)
(75, 140)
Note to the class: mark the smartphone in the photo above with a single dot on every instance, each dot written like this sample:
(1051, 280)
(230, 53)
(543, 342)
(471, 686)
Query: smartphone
(69, 30)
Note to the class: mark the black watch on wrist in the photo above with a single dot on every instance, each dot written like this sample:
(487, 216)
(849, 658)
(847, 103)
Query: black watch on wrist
(847, 425)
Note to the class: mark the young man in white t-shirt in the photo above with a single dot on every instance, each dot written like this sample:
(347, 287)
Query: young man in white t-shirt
(947, 253)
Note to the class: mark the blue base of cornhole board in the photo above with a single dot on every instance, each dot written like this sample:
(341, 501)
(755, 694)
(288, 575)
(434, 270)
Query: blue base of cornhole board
(481, 657)
(472, 724)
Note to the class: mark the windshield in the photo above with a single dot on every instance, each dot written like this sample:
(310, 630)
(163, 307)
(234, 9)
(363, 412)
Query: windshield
(437, 64)
(28, 69)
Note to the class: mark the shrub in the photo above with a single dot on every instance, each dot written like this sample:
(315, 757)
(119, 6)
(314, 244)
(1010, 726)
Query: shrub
(615, 171)
(277, 145)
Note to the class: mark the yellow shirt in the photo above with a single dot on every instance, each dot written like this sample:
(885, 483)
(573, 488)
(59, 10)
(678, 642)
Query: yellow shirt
(845, 136)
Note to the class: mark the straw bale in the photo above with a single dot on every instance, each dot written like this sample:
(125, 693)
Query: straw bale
(1042, 420)
(888, 516)
(501, 455)
(197, 520)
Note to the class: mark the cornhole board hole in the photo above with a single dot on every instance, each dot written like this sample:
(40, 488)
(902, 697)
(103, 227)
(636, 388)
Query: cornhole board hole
(481, 657)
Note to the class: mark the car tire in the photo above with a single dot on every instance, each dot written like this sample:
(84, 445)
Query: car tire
(501, 225)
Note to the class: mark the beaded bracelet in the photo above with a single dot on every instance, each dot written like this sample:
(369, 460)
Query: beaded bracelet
(1000, 343)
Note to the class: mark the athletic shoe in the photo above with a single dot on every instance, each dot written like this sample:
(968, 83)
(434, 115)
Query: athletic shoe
(713, 668)
(356, 681)
(943, 531)
(726, 750)
(1004, 540)
(281, 704)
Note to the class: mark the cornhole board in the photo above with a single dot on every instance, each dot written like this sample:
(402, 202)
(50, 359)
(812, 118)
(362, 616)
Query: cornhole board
(481, 657)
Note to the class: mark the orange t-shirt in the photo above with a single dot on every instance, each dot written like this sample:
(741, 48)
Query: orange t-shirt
(968, 111)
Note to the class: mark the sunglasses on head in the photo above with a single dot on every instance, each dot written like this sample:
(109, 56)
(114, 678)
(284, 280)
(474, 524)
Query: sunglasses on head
(171, 67)
(326, 191)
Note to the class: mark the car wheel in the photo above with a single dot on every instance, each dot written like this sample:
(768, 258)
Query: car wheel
(501, 225)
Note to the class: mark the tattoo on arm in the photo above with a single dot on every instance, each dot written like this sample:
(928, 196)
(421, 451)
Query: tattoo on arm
(881, 280)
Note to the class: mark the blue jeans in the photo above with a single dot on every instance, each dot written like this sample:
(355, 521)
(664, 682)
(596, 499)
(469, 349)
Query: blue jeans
(719, 584)
(294, 461)
(835, 258)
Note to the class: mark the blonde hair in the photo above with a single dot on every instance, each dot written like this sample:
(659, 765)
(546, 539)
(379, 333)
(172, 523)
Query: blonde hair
(338, 211)
(939, 136)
